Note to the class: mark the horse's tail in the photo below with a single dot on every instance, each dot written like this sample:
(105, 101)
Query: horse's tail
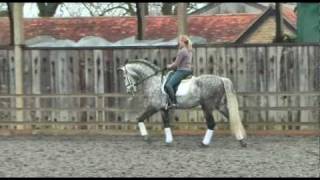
(234, 117)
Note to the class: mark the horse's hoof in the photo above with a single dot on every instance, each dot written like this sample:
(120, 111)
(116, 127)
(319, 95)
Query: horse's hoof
(168, 144)
(242, 143)
(203, 145)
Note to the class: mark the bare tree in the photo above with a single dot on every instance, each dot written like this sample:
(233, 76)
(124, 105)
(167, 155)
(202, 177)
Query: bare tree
(113, 9)
(129, 9)
(73, 9)
(172, 8)
(3, 9)
(146, 8)
(167, 8)
(103, 9)
(3, 6)
(192, 7)
(121, 9)
(47, 9)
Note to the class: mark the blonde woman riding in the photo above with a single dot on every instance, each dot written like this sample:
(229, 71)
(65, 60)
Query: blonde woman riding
(181, 67)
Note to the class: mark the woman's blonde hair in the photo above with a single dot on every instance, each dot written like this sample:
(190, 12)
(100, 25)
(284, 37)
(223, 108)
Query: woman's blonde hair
(186, 41)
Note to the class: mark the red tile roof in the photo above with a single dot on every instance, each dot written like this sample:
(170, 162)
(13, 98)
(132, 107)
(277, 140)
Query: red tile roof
(217, 28)
(4, 32)
(290, 15)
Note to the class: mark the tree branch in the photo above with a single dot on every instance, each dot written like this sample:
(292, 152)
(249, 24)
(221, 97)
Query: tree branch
(88, 8)
(99, 10)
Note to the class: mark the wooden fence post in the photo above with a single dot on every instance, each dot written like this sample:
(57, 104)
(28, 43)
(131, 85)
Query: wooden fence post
(18, 56)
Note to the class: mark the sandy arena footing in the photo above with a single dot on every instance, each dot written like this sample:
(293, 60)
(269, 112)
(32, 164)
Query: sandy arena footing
(130, 156)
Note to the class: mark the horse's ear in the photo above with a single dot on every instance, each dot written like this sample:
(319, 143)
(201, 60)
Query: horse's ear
(126, 61)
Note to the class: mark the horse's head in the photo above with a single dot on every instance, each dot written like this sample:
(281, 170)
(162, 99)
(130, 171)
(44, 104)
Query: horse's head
(128, 79)
(136, 72)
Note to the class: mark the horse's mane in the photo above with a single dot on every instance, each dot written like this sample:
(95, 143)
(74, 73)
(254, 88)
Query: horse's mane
(145, 62)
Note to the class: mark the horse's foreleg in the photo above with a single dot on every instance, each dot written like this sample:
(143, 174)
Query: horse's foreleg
(147, 113)
(210, 125)
(166, 122)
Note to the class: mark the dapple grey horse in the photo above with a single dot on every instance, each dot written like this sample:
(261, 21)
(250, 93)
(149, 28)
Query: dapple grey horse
(211, 92)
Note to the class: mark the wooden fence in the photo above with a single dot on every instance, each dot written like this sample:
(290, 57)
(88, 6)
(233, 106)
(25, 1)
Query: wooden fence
(278, 85)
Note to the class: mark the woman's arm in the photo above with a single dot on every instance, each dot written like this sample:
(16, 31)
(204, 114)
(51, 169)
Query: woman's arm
(178, 60)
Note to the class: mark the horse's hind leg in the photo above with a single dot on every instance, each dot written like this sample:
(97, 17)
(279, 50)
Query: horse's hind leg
(166, 122)
(210, 125)
(224, 111)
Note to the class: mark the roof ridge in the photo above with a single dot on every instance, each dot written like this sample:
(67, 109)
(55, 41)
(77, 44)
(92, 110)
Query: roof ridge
(253, 23)
(265, 13)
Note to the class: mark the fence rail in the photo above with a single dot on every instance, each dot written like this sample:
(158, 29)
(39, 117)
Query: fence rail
(104, 110)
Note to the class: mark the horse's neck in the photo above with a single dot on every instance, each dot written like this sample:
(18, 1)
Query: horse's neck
(142, 71)
(152, 84)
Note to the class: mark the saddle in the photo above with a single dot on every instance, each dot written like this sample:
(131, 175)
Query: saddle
(183, 87)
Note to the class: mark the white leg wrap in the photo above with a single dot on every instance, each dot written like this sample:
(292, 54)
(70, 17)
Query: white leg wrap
(239, 137)
(143, 129)
(168, 135)
(207, 137)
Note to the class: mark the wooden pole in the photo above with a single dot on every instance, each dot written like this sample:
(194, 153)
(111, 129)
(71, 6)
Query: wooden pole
(279, 23)
(18, 55)
(141, 20)
(182, 18)
(11, 23)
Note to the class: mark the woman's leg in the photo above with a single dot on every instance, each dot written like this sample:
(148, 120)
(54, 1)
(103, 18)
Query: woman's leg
(182, 74)
(169, 88)
(174, 82)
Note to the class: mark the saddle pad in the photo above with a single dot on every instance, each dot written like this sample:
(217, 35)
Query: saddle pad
(183, 87)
